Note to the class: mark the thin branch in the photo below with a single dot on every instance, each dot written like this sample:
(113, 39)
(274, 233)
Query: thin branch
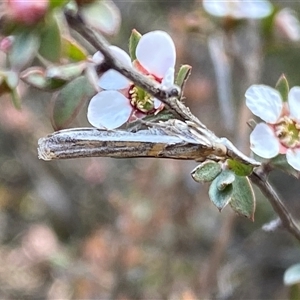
(287, 221)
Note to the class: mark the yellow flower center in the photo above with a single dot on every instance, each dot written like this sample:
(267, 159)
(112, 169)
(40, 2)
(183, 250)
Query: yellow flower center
(140, 99)
(288, 132)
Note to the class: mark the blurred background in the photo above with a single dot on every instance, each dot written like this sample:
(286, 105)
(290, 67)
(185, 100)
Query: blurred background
(101, 228)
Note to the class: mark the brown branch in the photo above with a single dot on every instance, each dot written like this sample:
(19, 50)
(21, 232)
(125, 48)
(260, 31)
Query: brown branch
(287, 220)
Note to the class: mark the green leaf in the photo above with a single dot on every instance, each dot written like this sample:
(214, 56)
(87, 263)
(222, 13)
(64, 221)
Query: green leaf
(243, 198)
(281, 163)
(282, 86)
(16, 99)
(57, 3)
(221, 189)
(67, 102)
(220, 198)
(292, 275)
(133, 42)
(224, 179)
(183, 75)
(72, 50)
(24, 49)
(206, 171)
(102, 15)
(36, 77)
(239, 168)
(51, 44)
(12, 79)
(66, 72)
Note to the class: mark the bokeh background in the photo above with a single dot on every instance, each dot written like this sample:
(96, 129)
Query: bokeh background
(101, 228)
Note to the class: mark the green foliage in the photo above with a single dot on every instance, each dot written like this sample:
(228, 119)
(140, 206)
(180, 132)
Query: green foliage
(51, 44)
(68, 100)
(24, 49)
(72, 50)
(243, 199)
(36, 77)
(8, 85)
(57, 3)
(102, 15)
(282, 86)
(206, 171)
(239, 168)
(66, 72)
(183, 75)
(133, 42)
(280, 162)
(53, 77)
(220, 190)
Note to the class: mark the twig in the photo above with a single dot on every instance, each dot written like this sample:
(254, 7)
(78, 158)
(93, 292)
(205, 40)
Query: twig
(287, 221)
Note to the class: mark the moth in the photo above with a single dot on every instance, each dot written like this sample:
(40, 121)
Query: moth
(173, 139)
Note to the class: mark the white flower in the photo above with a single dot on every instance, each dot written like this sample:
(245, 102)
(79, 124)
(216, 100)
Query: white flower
(121, 100)
(280, 134)
(238, 9)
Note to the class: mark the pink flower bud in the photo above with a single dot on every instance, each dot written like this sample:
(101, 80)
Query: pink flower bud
(6, 43)
(26, 12)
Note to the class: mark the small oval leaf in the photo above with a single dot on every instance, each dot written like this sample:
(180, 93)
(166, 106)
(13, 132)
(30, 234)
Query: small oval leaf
(292, 275)
(37, 78)
(67, 102)
(66, 72)
(133, 42)
(206, 171)
(24, 49)
(72, 50)
(16, 99)
(51, 44)
(220, 198)
(282, 86)
(280, 162)
(183, 75)
(243, 198)
(224, 179)
(239, 168)
(102, 15)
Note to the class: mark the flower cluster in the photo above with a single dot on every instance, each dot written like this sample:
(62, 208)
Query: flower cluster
(280, 134)
(120, 100)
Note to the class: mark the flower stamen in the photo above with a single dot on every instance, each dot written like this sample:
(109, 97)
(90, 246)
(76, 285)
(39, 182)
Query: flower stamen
(288, 132)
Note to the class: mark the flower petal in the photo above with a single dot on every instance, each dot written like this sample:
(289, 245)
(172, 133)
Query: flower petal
(294, 102)
(238, 9)
(264, 142)
(255, 9)
(98, 58)
(216, 8)
(293, 158)
(264, 102)
(111, 79)
(157, 103)
(108, 110)
(168, 80)
(156, 52)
